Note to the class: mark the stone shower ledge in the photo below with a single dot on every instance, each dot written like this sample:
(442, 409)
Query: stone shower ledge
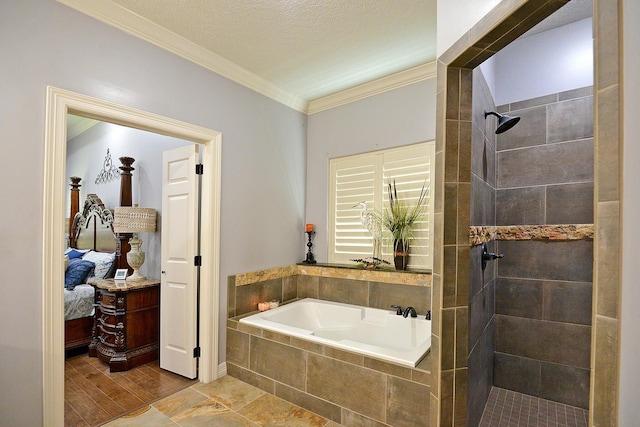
(563, 232)
(339, 271)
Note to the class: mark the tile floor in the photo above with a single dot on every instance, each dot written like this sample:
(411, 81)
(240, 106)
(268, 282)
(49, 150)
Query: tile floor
(226, 402)
(506, 408)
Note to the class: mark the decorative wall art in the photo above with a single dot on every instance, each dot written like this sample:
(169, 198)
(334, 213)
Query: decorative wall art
(109, 172)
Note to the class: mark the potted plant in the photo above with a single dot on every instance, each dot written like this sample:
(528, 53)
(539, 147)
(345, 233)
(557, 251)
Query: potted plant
(400, 219)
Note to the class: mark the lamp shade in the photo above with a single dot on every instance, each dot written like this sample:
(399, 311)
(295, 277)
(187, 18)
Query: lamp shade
(133, 219)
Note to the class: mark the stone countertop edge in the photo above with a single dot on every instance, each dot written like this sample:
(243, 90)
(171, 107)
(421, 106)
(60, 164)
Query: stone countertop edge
(409, 277)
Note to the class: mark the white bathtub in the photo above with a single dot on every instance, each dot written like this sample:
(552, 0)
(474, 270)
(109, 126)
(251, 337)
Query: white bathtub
(370, 331)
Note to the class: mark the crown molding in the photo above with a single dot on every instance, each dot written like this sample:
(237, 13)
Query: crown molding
(384, 84)
(117, 16)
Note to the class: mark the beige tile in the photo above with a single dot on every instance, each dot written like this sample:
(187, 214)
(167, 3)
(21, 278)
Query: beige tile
(435, 362)
(383, 295)
(307, 345)
(466, 92)
(446, 399)
(448, 339)
(605, 378)
(238, 347)
(359, 389)
(451, 153)
(450, 213)
(387, 368)
(224, 419)
(606, 42)
(256, 380)
(407, 403)
(146, 417)
(346, 356)
(462, 275)
(434, 405)
(464, 152)
(607, 254)
(308, 286)
(200, 414)
(269, 410)
(453, 93)
(460, 398)
(462, 334)
(436, 304)
(449, 277)
(607, 146)
(280, 362)
(344, 290)
(319, 406)
(179, 402)
(230, 392)
(353, 419)
(275, 336)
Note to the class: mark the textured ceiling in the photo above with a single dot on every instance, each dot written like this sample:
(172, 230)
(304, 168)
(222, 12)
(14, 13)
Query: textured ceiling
(296, 51)
(309, 48)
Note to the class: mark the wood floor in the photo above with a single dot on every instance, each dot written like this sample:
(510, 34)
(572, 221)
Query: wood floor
(94, 396)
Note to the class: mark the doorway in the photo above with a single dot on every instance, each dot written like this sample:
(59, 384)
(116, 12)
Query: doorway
(59, 104)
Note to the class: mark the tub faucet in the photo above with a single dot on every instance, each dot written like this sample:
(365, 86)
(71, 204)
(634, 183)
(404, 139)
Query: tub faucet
(409, 310)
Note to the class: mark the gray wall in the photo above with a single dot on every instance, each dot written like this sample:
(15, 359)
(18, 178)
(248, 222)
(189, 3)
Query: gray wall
(543, 293)
(392, 119)
(86, 156)
(481, 283)
(263, 158)
(548, 62)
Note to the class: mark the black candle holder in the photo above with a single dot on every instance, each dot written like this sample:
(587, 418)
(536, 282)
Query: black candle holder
(309, 259)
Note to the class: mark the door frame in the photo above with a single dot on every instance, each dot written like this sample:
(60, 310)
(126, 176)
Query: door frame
(59, 103)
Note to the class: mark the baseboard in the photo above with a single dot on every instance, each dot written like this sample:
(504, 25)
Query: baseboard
(222, 370)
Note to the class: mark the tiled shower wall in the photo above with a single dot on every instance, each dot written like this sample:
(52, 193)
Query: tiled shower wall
(544, 289)
(481, 284)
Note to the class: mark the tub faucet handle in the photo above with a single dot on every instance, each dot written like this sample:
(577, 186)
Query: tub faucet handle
(398, 309)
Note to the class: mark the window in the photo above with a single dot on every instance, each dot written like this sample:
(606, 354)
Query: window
(363, 178)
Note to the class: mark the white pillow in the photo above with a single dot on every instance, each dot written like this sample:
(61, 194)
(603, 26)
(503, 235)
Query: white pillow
(103, 261)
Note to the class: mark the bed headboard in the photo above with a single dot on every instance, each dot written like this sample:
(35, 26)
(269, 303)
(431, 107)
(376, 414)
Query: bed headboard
(102, 236)
(92, 227)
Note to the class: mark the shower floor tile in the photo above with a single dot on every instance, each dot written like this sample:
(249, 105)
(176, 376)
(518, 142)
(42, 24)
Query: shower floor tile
(506, 408)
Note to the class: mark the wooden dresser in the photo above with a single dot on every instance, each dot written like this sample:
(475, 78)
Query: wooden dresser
(126, 323)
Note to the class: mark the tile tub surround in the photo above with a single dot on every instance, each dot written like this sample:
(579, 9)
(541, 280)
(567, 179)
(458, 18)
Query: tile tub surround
(368, 288)
(344, 387)
(341, 386)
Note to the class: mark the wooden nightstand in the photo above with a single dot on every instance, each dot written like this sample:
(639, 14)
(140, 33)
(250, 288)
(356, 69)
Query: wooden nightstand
(126, 323)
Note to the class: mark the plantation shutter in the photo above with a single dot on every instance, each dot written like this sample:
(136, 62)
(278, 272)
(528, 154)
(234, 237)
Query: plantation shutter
(363, 178)
(410, 168)
(354, 180)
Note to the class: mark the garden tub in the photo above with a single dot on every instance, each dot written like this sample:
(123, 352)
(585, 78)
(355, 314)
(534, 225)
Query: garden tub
(374, 332)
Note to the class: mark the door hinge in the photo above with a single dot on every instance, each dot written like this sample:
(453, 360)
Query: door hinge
(197, 261)
(199, 169)
(196, 352)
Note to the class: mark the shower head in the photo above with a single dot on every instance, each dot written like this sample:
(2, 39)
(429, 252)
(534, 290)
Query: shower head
(504, 122)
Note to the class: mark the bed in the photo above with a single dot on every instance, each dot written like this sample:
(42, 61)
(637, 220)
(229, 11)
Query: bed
(91, 238)
(91, 253)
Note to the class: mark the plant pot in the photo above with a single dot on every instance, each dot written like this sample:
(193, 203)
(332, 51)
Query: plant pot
(400, 254)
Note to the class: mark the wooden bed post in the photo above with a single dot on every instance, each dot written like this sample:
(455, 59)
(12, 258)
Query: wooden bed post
(125, 200)
(75, 207)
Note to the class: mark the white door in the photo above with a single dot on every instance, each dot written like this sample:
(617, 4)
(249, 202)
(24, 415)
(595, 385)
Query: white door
(178, 287)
